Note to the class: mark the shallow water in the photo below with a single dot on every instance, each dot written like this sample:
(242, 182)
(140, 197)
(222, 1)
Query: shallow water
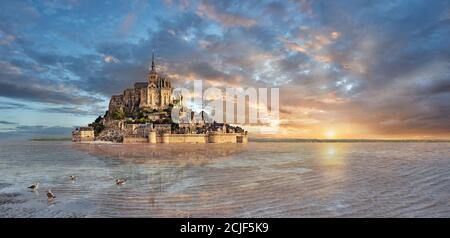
(259, 179)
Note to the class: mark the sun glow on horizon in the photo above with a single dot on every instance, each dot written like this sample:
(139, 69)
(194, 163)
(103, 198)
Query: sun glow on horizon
(330, 134)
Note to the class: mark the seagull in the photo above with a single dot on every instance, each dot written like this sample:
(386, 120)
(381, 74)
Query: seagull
(34, 186)
(50, 195)
(121, 181)
(73, 177)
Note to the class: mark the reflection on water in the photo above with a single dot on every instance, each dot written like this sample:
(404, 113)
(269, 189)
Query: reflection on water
(331, 152)
(245, 180)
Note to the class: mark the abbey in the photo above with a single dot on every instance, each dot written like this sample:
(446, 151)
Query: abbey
(155, 94)
(142, 114)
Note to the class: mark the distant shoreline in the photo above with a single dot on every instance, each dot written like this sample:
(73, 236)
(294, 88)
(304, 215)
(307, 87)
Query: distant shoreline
(51, 139)
(345, 140)
(291, 140)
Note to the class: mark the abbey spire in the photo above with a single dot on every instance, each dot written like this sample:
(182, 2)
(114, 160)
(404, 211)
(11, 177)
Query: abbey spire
(153, 70)
(152, 75)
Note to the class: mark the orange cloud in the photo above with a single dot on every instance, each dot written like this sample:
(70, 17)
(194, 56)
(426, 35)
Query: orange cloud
(127, 23)
(296, 47)
(209, 11)
(110, 59)
(335, 35)
(323, 58)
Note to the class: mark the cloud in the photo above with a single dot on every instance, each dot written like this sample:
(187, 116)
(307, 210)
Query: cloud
(227, 19)
(128, 23)
(6, 39)
(86, 111)
(7, 123)
(12, 105)
(335, 35)
(295, 47)
(8, 68)
(110, 59)
(28, 88)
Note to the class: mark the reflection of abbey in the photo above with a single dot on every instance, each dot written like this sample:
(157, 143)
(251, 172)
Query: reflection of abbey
(142, 114)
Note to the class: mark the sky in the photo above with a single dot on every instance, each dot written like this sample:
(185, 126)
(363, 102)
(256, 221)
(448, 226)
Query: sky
(345, 69)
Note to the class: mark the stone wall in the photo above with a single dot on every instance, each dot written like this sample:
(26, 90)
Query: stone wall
(242, 139)
(183, 138)
(134, 140)
(186, 138)
(222, 138)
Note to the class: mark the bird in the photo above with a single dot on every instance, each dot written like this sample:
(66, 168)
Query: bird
(73, 177)
(34, 186)
(50, 195)
(121, 181)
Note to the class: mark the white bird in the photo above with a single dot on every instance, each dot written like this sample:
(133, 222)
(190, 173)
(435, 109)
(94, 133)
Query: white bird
(73, 177)
(34, 186)
(50, 195)
(121, 181)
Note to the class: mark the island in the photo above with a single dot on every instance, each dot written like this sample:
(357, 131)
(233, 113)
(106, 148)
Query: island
(142, 114)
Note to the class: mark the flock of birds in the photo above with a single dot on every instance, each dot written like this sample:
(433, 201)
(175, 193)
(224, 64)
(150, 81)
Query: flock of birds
(51, 195)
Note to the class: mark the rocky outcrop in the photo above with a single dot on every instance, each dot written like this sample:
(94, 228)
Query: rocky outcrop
(115, 104)
(130, 101)
(114, 131)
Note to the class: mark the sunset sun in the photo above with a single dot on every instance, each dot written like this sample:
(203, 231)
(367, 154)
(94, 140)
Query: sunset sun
(330, 134)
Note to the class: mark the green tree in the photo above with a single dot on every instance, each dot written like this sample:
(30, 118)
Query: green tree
(99, 119)
(118, 114)
(97, 125)
(175, 127)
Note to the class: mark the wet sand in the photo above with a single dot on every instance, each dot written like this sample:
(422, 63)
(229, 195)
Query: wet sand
(259, 179)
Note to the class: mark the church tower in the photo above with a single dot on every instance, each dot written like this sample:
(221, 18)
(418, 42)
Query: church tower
(151, 97)
(158, 91)
(152, 75)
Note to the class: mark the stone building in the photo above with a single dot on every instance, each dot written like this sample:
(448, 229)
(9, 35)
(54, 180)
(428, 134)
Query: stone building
(152, 95)
(156, 93)
(83, 134)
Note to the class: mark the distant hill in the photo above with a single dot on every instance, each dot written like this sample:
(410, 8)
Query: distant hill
(30, 132)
